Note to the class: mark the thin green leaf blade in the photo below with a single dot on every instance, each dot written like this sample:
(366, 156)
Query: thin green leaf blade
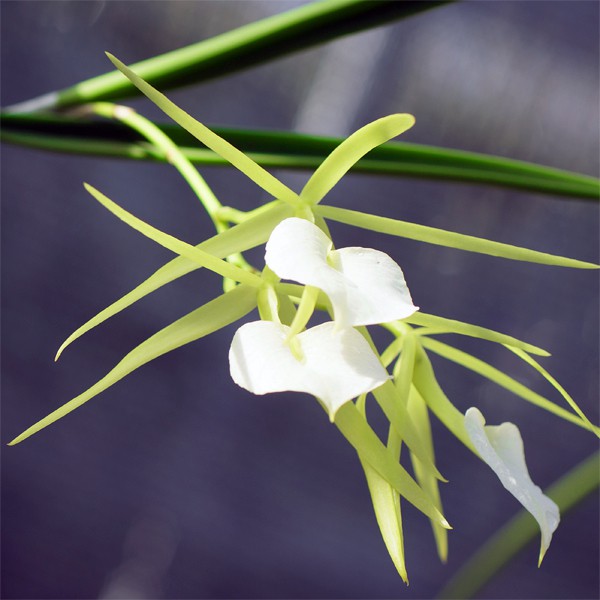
(210, 317)
(449, 239)
(249, 45)
(351, 150)
(249, 234)
(217, 144)
(293, 150)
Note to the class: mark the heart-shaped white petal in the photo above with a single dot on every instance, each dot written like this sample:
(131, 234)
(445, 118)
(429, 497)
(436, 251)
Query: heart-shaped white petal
(337, 365)
(501, 447)
(365, 286)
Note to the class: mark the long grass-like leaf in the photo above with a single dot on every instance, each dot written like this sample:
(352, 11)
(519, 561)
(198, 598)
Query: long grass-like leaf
(210, 317)
(241, 48)
(251, 233)
(292, 150)
(441, 237)
(502, 379)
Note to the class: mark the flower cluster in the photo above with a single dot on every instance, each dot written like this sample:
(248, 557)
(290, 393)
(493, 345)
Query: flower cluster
(331, 361)
(335, 363)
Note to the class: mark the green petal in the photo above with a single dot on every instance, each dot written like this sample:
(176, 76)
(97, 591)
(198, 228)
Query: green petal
(502, 379)
(441, 237)
(439, 325)
(356, 430)
(426, 384)
(352, 149)
(396, 412)
(217, 144)
(386, 502)
(253, 232)
(418, 411)
(210, 317)
(556, 385)
(204, 259)
(393, 404)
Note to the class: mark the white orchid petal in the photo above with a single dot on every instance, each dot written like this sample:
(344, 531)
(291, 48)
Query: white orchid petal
(365, 286)
(379, 290)
(337, 365)
(501, 447)
(298, 250)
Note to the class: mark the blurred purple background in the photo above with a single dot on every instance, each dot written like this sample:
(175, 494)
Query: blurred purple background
(177, 484)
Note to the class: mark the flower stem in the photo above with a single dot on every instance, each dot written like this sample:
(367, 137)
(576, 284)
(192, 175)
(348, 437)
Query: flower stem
(567, 492)
(175, 156)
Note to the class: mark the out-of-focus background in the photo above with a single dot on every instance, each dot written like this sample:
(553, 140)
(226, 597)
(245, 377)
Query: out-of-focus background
(177, 484)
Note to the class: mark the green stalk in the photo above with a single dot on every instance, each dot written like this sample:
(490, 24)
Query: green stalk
(244, 47)
(297, 151)
(172, 154)
(489, 560)
(167, 149)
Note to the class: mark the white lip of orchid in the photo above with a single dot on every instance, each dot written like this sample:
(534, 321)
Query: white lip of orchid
(365, 286)
(336, 365)
(501, 447)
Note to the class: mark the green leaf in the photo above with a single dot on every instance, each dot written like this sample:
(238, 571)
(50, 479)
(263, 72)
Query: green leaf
(426, 384)
(352, 149)
(502, 379)
(386, 501)
(241, 48)
(530, 361)
(435, 325)
(253, 232)
(204, 259)
(217, 144)
(442, 237)
(356, 430)
(418, 411)
(210, 317)
(292, 150)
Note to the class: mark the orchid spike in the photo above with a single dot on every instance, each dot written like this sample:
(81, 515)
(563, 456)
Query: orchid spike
(333, 365)
(365, 286)
(501, 447)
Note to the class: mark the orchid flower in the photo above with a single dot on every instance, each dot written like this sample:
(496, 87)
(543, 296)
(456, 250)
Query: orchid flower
(336, 366)
(332, 361)
(501, 447)
(364, 286)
